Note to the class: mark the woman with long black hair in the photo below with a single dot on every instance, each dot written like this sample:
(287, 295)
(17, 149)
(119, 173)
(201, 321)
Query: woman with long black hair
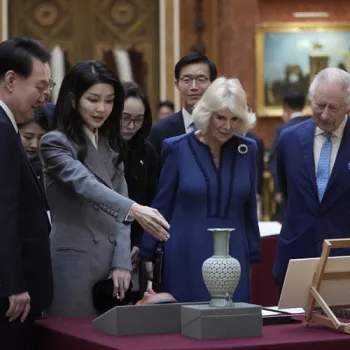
(87, 192)
(141, 165)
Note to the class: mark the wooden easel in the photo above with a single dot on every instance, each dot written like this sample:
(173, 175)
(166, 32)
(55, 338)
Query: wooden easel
(328, 319)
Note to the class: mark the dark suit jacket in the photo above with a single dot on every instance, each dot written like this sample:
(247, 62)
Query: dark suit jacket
(260, 160)
(38, 170)
(272, 158)
(25, 263)
(141, 175)
(307, 221)
(171, 126)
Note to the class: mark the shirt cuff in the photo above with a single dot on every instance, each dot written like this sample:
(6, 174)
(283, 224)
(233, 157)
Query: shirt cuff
(128, 219)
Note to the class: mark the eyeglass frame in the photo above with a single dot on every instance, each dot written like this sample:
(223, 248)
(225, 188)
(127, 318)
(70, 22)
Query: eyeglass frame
(191, 78)
(49, 87)
(131, 120)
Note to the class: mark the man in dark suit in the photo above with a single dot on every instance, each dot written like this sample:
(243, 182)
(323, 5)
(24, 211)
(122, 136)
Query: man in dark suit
(25, 266)
(260, 161)
(293, 105)
(193, 75)
(313, 166)
(165, 108)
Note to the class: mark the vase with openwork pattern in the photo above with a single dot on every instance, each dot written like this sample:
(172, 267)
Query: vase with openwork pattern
(221, 272)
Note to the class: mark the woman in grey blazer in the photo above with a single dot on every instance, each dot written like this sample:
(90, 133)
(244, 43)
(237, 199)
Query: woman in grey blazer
(87, 192)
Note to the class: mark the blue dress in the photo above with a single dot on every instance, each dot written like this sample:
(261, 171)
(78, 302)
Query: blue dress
(194, 195)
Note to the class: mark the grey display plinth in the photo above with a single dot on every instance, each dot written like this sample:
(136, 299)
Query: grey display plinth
(206, 322)
(142, 319)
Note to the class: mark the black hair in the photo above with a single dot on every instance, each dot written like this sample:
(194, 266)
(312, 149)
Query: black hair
(66, 116)
(41, 116)
(294, 100)
(192, 58)
(133, 90)
(166, 103)
(17, 55)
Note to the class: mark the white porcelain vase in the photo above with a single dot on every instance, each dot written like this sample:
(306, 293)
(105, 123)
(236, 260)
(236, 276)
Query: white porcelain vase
(221, 272)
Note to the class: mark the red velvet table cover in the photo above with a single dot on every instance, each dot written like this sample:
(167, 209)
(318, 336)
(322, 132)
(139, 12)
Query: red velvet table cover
(77, 334)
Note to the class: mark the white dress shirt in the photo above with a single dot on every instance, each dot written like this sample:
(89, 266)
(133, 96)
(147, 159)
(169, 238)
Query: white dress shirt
(320, 138)
(9, 114)
(93, 137)
(188, 121)
(296, 114)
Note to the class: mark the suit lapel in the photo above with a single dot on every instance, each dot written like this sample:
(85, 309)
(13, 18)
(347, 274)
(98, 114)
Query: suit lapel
(20, 146)
(341, 166)
(95, 163)
(307, 145)
(109, 157)
(31, 168)
(178, 124)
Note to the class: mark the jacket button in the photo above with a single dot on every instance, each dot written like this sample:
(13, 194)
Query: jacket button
(111, 239)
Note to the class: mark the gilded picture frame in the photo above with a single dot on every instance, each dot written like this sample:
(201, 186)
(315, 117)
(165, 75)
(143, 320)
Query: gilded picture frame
(289, 55)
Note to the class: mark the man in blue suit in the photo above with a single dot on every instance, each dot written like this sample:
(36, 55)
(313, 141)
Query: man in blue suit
(25, 265)
(313, 164)
(293, 105)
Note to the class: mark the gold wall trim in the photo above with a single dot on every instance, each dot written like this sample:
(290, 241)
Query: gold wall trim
(169, 48)
(4, 19)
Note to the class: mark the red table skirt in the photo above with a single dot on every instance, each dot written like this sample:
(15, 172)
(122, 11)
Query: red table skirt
(77, 334)
(263, 290)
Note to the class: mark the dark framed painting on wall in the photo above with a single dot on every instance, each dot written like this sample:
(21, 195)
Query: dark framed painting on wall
(289, 55)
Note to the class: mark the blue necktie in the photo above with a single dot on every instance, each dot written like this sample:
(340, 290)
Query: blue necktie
(324, 165)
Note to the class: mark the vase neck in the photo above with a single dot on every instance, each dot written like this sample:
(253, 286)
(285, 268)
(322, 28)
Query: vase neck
(221, 242)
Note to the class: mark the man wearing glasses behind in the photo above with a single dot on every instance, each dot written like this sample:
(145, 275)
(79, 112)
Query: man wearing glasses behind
(193, 75)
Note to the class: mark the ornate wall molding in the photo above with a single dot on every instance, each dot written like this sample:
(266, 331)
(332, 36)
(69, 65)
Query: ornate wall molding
(87, 29)
(169, 48)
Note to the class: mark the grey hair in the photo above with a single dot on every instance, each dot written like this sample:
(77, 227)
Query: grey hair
(331, 76)
(221, 94)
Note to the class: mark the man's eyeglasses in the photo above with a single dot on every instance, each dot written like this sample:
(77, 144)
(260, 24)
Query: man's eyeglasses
(127, 120)
(199, 80)
(51, 85)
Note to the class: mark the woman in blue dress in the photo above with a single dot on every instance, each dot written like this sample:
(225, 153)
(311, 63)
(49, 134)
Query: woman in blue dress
(208, 180)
